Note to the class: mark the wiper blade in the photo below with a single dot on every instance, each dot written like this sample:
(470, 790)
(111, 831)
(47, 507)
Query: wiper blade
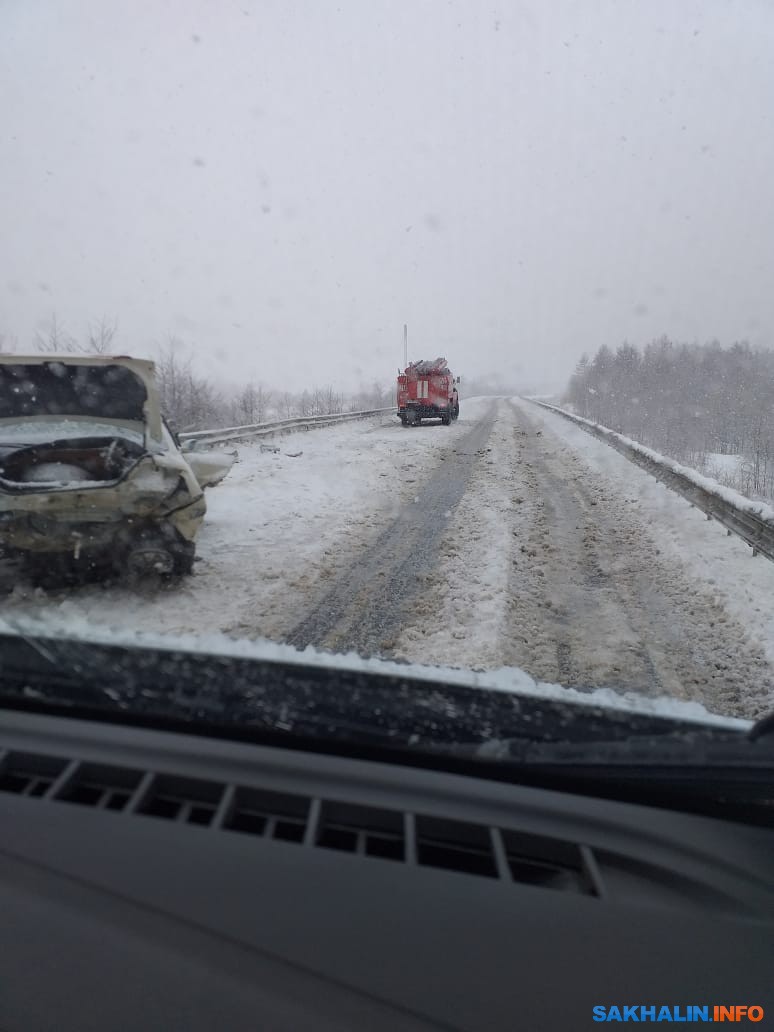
(238, 694)
(763, 728)
(698, 748)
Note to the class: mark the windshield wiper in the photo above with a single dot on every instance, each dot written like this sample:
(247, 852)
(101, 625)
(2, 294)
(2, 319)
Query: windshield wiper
(762, 728)
(332, 703)
(699, 749)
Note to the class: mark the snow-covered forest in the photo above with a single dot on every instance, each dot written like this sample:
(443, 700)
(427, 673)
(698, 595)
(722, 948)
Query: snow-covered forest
(708, 406)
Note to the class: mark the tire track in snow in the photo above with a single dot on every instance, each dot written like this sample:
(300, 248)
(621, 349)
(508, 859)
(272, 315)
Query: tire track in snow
(594, 604)
(586, 632)
(368, 606)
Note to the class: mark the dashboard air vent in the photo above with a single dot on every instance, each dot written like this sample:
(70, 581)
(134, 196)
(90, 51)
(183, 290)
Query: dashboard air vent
(29, 775)
(415, 839)
(365, 830)
(181, 799)
(455, 846)
(271, 814)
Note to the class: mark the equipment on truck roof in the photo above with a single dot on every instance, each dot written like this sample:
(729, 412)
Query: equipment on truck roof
(437, 366)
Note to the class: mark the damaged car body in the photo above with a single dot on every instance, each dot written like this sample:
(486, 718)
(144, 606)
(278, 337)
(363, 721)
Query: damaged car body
(90, 475)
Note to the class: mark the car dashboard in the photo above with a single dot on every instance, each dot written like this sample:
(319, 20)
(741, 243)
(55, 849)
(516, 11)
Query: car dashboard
(158, 880)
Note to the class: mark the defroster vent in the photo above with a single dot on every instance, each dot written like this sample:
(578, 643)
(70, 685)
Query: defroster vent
(421, 840)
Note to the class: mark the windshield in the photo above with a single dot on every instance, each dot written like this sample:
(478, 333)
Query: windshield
(60, 389)
(461, 319)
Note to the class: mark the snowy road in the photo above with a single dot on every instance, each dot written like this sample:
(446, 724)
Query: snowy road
(584, 593)
(279, 531)
(511, 538)
(369, 605)
(587, 572)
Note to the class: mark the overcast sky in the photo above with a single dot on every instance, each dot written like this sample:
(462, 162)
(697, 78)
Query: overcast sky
(284, 184)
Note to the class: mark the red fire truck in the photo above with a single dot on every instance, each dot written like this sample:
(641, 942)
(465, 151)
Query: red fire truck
(427, 390)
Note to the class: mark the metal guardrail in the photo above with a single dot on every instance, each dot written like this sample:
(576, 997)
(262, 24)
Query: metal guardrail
(756, 530)
(277, 426)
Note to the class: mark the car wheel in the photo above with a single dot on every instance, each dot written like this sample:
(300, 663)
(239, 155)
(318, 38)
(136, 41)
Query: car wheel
(184, 560)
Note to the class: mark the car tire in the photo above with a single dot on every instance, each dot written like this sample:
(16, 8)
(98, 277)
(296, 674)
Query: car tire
(184, 562)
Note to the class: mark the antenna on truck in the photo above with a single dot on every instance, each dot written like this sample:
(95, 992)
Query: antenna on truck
(405, 345)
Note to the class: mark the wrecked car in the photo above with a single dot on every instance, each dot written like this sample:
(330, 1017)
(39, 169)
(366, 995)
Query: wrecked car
(90, 474)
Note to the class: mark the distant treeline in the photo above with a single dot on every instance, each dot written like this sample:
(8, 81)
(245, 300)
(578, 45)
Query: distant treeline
(189, 400)
(689, 401)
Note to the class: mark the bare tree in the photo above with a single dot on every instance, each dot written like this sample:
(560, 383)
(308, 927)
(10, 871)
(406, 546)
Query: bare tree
(246, 405)
(253, 404)
(54, 338)
(305, 404)
(190, 402)
(263, 402)
(101, 336)
(203, 406)
(332, 401)
(172, 373)
(287, 405)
